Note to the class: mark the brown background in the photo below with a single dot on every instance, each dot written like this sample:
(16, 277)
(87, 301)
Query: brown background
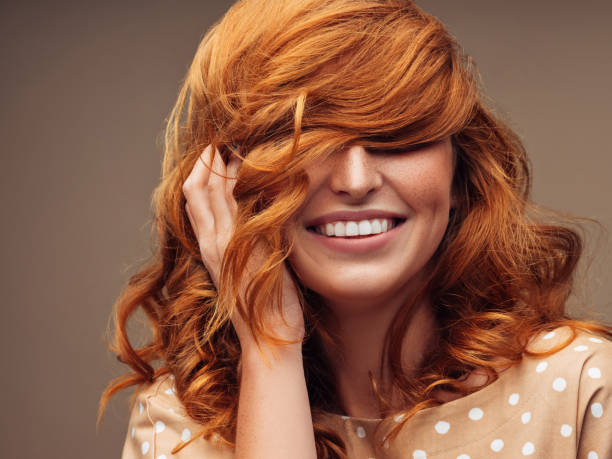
(85, 91)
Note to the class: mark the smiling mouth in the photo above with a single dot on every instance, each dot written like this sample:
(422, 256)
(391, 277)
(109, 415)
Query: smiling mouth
(360, 229)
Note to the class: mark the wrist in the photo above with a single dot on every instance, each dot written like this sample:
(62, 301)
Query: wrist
(255, 357)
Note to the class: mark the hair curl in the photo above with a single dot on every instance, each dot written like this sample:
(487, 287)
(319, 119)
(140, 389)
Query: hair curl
(283, 83)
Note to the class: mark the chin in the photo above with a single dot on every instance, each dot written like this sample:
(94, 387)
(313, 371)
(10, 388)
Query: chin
(359, 291)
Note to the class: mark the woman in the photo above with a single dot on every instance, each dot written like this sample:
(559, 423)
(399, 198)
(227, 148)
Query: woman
(349, 264)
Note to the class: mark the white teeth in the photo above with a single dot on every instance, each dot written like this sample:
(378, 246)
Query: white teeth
(352, 229)
(365, 228)
(356, 228)
(376, 227)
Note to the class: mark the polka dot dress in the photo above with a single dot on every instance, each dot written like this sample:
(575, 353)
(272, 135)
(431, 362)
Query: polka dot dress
(558, 406)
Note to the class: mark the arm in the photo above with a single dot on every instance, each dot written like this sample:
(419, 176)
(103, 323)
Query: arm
(274, 419)
(595, 403)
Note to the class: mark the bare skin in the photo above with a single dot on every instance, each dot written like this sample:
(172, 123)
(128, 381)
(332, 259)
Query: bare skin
(363, 338)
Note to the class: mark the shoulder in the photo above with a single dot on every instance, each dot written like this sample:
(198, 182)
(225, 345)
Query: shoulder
(159, 423)
(586, 355)
(586, 359)
(576, 384)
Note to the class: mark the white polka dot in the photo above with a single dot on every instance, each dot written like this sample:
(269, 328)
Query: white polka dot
(597, 410)
(528, 449)
(593, 455)
(559, 384)
(186, 435)
(419, 454)
(595, 340)
(140, 408)
(594, 372)
(513, 399)
(163, 456)
(145, 447)
(400, 418)
(541, 367)
(387, 443)
(497, 445)
(566, 430)
(442, 427)
(581, 348)
(159, 427)
(361, 432)
(463, 456)
(549, 335)
(133, 431)
(168, 391)
(475, 414)
(526, 417)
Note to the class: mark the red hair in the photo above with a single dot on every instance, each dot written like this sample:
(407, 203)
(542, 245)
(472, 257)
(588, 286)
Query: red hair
(288, 82)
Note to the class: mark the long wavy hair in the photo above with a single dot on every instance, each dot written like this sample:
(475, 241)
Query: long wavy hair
(282, 84)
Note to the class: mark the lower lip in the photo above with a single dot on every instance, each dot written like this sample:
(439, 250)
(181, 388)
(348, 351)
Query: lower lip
(357, 245)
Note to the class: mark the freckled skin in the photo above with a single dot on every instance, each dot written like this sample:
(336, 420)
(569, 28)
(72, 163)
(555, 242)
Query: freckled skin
(416, 184)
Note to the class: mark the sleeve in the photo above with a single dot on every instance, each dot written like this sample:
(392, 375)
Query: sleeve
(158, 423)
(595, 402)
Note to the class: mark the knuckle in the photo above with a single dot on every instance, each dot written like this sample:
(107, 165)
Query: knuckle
(205, 249)
(187, 186)
(214, 186)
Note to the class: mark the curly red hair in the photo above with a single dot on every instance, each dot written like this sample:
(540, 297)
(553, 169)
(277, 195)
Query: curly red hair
(287, 83)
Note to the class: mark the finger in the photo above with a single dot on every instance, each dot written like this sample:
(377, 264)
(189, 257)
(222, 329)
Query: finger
(201, 169)
(222, 215)
(196, 194)
(209, 259)
(232, 174)
(193, 222)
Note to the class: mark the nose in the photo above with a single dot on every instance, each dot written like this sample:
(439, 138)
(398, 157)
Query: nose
(355, 173)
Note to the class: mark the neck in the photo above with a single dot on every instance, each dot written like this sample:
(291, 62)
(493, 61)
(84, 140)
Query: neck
(361, 335)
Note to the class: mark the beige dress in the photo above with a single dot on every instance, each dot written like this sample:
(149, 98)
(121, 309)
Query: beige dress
(556, 407)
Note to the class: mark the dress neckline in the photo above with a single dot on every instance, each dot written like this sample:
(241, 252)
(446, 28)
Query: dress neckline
(488, 392)
(450, 405)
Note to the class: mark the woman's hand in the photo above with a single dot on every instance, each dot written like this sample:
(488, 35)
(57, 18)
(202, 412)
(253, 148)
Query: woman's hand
(211, 209)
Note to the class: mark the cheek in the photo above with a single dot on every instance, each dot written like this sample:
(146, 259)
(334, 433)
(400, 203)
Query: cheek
(425, 184)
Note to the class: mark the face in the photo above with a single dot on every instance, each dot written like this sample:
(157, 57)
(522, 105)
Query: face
(371, 222)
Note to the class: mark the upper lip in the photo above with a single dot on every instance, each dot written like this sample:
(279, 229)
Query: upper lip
(352, 215)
